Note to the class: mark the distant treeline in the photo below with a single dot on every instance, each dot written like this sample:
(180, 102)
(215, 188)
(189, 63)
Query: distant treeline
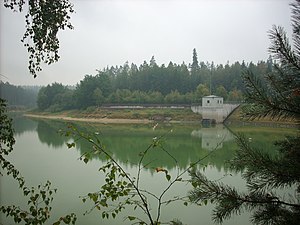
(150, 83)
(19, 96)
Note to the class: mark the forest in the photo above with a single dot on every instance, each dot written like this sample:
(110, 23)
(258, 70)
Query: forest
(19, 97)
(150, 83)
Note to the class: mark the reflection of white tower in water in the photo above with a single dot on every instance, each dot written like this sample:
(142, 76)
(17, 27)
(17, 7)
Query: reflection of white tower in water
(213, 137)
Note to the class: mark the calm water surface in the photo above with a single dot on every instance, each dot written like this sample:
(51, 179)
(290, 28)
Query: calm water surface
(41, 154)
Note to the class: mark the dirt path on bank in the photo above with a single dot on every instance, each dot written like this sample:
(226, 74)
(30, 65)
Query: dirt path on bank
(92, 120)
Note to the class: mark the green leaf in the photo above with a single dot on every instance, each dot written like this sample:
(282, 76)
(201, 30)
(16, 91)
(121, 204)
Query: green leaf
(185, 203)
(194, 184)
(103, 203)
(131, 218)
(168, 177)
(23, 215)
(85, 160)
(70, 145)
(67, 219)
(95, 197)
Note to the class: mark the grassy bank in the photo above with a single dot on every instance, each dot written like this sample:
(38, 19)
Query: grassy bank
(160, 115)
(156, 114)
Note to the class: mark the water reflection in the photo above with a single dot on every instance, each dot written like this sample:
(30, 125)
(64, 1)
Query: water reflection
(74, 178)
(185, 143)
(22, 124)
(213, 137)
(48, 133)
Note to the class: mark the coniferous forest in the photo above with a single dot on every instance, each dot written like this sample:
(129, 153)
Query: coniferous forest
(150, 83)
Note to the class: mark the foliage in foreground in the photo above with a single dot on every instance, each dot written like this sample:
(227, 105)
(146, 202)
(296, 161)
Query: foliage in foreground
(39, 198)
(43, 21)
(121, 189)
(273, 181)
(265, 176)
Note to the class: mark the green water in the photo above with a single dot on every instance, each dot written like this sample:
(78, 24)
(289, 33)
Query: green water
(41, 154)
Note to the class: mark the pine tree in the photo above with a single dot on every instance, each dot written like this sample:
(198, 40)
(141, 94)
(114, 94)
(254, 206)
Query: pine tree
(195, 64)
(277, 95)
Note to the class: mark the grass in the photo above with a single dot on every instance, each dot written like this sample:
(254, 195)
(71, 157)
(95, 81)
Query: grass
(147, 113)
(161, 114)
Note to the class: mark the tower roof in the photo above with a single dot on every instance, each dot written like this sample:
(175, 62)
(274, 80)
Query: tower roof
(212, 96)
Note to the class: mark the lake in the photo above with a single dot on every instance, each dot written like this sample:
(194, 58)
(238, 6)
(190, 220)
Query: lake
(41, 154)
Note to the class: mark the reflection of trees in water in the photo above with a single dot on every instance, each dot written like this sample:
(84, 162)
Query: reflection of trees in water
(48, 133)
(126, 142)
(22, 124)
(126, 145)
(185, 143)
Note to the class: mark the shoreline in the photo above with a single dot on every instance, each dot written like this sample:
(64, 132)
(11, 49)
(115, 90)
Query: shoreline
(94, 120)
(105, 120)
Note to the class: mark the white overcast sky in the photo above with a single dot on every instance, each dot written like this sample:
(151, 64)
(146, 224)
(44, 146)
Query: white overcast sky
(111, 32)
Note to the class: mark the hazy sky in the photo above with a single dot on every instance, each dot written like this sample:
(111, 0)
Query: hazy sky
(111, 32)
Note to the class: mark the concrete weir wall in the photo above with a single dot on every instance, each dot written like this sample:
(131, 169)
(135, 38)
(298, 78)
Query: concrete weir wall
(219, 114)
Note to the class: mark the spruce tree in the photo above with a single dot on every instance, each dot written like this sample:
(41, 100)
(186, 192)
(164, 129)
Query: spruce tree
(195, 64)
(277, 95)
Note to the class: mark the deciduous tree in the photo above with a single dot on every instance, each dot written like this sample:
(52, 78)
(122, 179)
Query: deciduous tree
(44, 18)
